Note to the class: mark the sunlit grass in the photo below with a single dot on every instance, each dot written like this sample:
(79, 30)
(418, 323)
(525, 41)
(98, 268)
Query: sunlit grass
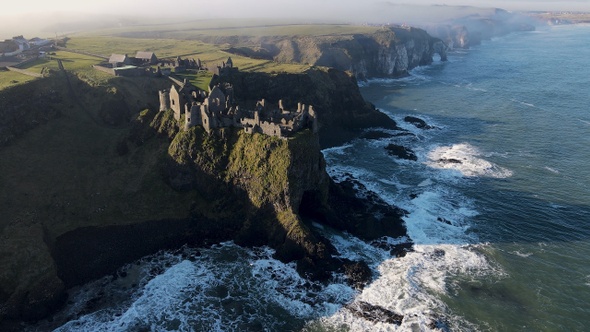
(210, 55)
(234, 27)
(171, 41)
(201, 79)
(163, 48)
(71, 61)
(10, 78)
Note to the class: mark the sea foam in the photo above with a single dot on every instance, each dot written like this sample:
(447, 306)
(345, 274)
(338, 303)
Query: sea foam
(465, 159)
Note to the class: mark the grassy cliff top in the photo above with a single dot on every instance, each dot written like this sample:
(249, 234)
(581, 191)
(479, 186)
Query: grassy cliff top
(81, 65)
(11, 78)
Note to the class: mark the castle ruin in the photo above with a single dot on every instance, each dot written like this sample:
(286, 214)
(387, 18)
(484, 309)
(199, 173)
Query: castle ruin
(218, 109)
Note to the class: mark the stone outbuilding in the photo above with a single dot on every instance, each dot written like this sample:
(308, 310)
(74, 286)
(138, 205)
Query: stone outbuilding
(148, 58)
(119, 60)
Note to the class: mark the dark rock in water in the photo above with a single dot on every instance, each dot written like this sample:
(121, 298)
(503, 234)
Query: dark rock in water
(401, 152)
(450, 161)
(438, 253)
(374, 314)
(361, 212)
(419, 123)
(375, 134)
(443, 220)
(358, 273)
(395, 250)
(439, 324)
(400, 250)
(314, 269)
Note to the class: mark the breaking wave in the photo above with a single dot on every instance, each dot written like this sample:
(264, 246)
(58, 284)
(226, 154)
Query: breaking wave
(225, 287)
(465, 159)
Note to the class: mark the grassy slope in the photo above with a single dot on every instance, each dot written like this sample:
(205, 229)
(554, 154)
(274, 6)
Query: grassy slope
(171, 48)
(236, 27)
(10, 78)
(66, 174)
(172, 40)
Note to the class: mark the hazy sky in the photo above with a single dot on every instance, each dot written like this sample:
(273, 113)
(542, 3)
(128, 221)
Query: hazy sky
(263, 7)
(45, 17)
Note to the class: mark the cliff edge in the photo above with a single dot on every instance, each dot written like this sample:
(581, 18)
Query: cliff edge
(387, 52)
(100, 186)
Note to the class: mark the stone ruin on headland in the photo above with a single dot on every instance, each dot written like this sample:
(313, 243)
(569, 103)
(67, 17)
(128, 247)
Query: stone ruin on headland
(218, 109)
(215, 108)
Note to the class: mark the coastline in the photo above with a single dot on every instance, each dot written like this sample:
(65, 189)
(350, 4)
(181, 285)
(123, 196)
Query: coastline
(173, 238)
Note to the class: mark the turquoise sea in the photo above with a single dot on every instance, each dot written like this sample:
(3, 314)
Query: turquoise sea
(498, 202)
(516, 112)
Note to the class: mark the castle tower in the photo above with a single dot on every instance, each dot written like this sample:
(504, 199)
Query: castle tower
(193, 116)
(176, 102)
(164, 100)
(206, 118)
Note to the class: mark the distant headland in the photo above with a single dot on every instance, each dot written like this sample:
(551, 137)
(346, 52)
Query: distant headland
(194, 140)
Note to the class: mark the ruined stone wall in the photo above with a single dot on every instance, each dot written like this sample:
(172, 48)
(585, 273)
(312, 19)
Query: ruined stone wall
(176, 103)
(164, 100)
(270, 129)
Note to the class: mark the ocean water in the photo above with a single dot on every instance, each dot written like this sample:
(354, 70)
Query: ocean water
(501, 232)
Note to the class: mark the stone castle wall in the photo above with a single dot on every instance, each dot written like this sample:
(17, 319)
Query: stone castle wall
(216, 110)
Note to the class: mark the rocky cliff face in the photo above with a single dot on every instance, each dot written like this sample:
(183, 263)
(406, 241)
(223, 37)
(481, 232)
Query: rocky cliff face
(388, 52)
(334, 94)
(93, 196)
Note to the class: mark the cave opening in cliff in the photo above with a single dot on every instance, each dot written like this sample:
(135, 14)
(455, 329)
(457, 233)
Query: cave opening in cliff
(311, 207)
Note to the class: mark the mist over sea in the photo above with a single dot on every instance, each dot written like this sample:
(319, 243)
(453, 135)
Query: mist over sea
(498, 202)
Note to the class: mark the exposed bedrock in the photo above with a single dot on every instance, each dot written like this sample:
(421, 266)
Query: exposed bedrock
(388, 52)
(401, 152)
(111, 191)
(418, 123)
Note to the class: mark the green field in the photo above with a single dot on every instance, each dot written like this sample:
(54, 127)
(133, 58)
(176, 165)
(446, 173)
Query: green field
(77, 63)
(11, 78)
(234, 27)
(184, 39)
(171, 48)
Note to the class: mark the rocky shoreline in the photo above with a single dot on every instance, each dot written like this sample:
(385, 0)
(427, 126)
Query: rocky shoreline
(253, 189)
(192, 188)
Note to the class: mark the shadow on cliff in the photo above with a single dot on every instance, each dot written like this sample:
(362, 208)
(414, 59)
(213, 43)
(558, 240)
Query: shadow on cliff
(223, 208)
(154, 156)
(342, 110)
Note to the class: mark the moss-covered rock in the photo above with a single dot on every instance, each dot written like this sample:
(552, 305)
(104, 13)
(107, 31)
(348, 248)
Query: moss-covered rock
(87, 197)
